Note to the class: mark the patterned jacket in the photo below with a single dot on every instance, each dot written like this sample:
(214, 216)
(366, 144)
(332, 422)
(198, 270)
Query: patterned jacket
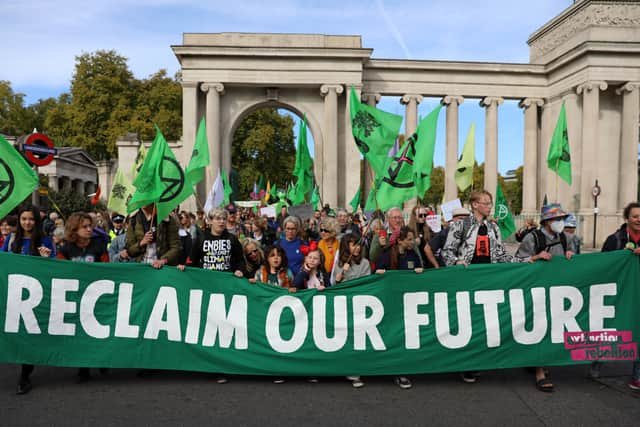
(459, 247)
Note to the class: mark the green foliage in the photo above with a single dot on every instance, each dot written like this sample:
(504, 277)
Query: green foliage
(263, 144)
(434, 195)
(513, 191)
(105, 102)
(69, 201)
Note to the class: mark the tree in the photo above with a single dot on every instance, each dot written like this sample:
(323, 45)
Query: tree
(159, 101)
(263, 144)
(14, 117)
(433, 197)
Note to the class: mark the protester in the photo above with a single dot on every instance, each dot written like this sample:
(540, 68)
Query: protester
(262, 233)
(529, 225)
(253, 257)
(29, 239)
(570, 225)
(151, 242)
(233, 225)
(117, 221)
(80, 246)
(422, 232)
(328, 243)
(184, 233)
(118, 246)
(58, 238)
(626, 237)
(312, 274)
(219, 250)
(350, 264)
(345, 226)
(274, 270)
(292, 244)
(543, 244)
(475, 240)
(402, 255)
(383, 241)
(7, 226)
(439, 239)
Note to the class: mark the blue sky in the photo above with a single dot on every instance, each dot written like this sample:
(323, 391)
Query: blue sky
(41, 39)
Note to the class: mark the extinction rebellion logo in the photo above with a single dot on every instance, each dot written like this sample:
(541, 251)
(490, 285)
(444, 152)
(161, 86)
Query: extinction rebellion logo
(7, 181)
(172, 176)
(601, 345)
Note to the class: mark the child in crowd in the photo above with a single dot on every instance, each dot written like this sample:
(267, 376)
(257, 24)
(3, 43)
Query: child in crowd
(274, 271)
(312, 274)
(401, 256)
(350, 264)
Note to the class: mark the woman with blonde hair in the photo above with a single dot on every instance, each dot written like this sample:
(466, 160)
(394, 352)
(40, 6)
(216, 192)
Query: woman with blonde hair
(328, 243)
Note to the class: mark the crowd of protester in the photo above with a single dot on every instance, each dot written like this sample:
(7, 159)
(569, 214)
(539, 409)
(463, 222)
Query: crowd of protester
(329, 248)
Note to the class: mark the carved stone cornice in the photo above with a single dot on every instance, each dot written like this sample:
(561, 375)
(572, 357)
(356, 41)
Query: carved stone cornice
(450, 99)
(528, 102)
(628, 87)
(591, 85)
(366, 96)
(411, 97)
(488, 101)
(218, 87)
(324, 89)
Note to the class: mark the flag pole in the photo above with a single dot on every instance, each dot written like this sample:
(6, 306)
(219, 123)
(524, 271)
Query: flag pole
(557, 167)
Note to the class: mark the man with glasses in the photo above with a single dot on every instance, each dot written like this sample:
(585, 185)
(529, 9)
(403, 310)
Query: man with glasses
(475, 240)
(345, 225)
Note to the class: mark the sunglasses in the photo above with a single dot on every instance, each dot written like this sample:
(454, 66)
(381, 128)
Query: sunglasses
(255, 251)
(324, 230)
(422, 215)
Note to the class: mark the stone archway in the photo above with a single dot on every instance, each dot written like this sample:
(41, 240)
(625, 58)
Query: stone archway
(313, 126)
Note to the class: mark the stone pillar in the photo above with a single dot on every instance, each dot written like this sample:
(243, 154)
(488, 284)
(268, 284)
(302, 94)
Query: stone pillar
(78, 186)
(529, 172)
(451, 158)
(372, 100)
(590, 92)
(189, 127)
(53, 182)
(491, 143)
(628, 183)
(213, 91)
(411, 102)
(330, 144)
(66, 183)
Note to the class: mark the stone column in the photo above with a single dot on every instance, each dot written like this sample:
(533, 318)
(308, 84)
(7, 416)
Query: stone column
(590, 92)
(529, 172)
(330, 144)
(411, 102)
(213, 91)
(451, 158)
(628, 186)
(372, 100)
(53, 182)
(78, 186)
(491, 143)
(189, 128)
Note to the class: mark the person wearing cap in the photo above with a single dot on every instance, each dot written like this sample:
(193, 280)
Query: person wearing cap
(439, 239)
(627, 237)
(543, 244)
(233, 226)
(118, 227)
(570, 225)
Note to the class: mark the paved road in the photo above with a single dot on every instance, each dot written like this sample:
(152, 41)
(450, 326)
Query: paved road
(505, 397)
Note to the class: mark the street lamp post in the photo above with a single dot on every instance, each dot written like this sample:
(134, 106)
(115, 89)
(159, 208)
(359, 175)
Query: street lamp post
(595, 192)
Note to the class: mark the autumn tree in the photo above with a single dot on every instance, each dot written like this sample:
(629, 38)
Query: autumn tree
(263, 144)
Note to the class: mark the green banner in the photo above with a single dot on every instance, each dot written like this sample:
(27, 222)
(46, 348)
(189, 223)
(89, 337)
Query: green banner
(481, 317)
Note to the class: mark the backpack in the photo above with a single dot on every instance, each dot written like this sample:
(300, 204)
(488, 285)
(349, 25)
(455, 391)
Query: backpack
(541, 241)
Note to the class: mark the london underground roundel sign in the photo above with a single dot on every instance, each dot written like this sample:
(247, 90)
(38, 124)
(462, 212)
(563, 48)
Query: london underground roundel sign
(39, 149)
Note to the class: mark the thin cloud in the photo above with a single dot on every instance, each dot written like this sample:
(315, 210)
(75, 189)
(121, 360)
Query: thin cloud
(391, 26)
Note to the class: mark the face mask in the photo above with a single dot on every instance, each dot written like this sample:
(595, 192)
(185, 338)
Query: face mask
(557, 226)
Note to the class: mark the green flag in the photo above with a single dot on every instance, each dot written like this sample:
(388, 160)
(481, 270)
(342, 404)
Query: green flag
(273, 191)
(375, 131)
(161, 180)
(199, 157)
(315, 197)
(303, 169)
(227, 188)
(261, 183)
(503, 215)
(355, 202)
(17, 179)
(464, 171)
(409, 173)
(139, 161)
(425, 143)
(559, 158)
(121, 193)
